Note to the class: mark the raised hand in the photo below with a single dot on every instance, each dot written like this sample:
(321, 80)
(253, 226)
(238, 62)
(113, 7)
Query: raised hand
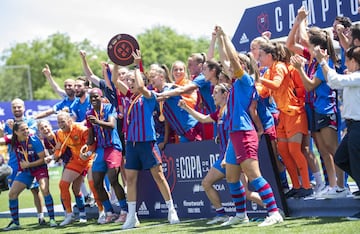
(46, 71)
(137, 57)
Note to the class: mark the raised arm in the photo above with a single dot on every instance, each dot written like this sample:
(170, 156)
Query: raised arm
(87, 70)
(211, 51)
(342, 33)
(298, 33)
(231, 53)
(223, 55)
(121, 86)
(47, 73)
(139, 82)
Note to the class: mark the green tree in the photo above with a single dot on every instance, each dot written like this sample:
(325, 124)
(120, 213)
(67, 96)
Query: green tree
(158, 45)
(163, 45)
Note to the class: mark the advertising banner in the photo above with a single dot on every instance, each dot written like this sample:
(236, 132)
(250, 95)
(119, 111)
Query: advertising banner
(31, 109)
(185, 165)
(279, 16)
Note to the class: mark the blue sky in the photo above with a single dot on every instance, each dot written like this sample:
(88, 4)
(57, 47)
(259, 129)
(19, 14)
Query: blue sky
(99, 20)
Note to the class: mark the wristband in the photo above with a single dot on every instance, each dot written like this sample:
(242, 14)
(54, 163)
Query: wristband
(322, 63)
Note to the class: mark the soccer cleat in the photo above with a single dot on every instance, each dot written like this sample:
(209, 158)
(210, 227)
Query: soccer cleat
(236, 220)
(68, 219)
(319, 187)
(111, 217)
(354, 217)
(272, 219)
(302, 192)
(41, 221)
(335, 192)
(82, 219)
(52, 223)
(356, 195)
(173, 217)
(291, 193)
(218, 219)
(132, 221)
(121, 219)
(102, 217)
(12, 226)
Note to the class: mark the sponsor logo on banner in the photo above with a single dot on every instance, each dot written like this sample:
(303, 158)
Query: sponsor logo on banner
(198, 188)
(254, 205)
(194, 167)
(168, 166)
(219, 187)
(262, 23)
(158, 206)
(143, 210)
(229, 206)
(244, 39)
(185, 166)
(2, 112)
(278, 17)
(193, 207)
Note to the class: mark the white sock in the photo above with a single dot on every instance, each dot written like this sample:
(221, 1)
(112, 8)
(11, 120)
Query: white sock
(41, 215)
(170, 204)
(318, 178)
(132, 208)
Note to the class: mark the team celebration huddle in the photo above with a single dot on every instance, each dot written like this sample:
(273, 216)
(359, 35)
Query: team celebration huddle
(297, 92)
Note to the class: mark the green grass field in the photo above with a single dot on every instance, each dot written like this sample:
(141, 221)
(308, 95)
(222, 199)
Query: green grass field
(290, 226)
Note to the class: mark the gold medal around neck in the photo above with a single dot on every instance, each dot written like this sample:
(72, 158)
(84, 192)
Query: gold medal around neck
(161, 116)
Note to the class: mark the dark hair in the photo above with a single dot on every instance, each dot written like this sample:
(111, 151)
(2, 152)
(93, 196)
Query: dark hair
(225, 87)
(251, 65)
(354, 53)
(85, 80)
(277, 51)
(355, 32)
(320, 37)
(344, 20)
(212, 64)
(14, 138)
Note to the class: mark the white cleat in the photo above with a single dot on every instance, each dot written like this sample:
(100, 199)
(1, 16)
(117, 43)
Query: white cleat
(132, 221)
(173, 217)
(272, 219)
(236, 220)
(68, 219)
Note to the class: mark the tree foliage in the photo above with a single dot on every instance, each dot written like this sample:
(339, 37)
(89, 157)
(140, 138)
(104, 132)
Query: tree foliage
(158, 45)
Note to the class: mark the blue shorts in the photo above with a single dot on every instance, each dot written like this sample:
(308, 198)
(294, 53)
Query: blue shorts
(106, 159)
(28, 178)
(12, 177)
(230, 154)
(142, 155)
(217, 165)
(99, 165)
